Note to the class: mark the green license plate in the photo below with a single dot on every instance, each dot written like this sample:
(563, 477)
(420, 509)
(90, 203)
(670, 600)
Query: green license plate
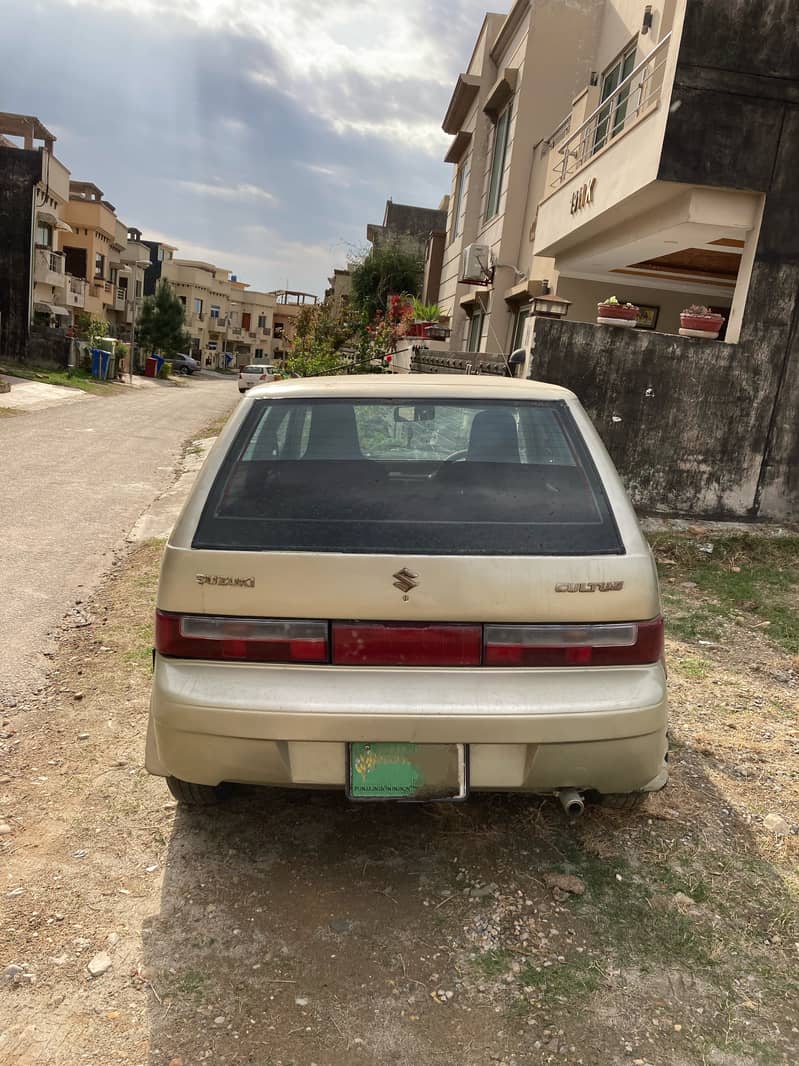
(421, 772)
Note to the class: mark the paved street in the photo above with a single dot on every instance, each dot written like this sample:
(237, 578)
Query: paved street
(75, 479)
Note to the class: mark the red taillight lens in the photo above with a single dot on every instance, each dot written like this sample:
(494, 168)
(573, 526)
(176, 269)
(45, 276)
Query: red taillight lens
(399, 645)
(264, 377)
(611, 644)
(255, 640)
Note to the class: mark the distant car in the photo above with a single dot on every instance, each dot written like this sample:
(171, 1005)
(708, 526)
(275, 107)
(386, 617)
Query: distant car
(407, 588)
(257, 374)
(184, 364)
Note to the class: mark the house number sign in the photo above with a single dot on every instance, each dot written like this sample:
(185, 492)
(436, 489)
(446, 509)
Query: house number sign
(583, 196)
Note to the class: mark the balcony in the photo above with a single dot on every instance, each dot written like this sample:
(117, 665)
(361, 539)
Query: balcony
(49, 268)
(630, 101)
(76, 291)
(120, 296)
(103, 291)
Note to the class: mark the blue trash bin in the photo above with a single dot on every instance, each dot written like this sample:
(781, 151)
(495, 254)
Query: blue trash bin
(160, 360)
(99, 363)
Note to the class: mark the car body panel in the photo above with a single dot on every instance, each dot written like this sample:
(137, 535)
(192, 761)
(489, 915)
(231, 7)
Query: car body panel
(251, 380)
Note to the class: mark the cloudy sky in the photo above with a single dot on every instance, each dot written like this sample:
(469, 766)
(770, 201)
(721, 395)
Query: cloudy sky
(262, 135)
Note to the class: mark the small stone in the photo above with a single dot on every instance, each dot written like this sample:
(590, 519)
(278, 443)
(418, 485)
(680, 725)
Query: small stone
(775, 823)
(176, 1061)
(58, 917)
(680, 899)
(83, 736)
(484, 891)
(112, 939)
(341, 925)
(13, 973)
(81, 853)
(61, 960)
(300, 1001)
(5, 829)
(566, 883)
(14, 893)
(219, 1019)
(77, 696)
(688, 585)
(99, 964)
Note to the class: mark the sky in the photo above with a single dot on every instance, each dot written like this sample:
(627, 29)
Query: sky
(262, 136)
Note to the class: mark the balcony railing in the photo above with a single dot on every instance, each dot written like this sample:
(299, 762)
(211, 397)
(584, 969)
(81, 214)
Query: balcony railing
(76, 291)
(119, 299)
(49, 267)
(630, 100)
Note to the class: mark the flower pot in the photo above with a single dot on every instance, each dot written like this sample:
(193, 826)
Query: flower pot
(616, 315)
(707, 326)
(417, 329)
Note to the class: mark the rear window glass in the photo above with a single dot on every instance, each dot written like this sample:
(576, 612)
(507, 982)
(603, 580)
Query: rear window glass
(450, 477)
(255, 369)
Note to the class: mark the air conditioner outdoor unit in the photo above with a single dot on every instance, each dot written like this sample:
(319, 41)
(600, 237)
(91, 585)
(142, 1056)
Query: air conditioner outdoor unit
(476, 264)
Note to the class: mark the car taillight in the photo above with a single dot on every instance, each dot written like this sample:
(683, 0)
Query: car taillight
(256, 640)
(264, 377)
(406, 645)
(608, 644)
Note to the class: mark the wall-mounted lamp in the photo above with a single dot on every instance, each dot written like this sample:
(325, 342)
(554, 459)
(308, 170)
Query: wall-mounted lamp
(550, 306)
(594, 79)
(648, 17)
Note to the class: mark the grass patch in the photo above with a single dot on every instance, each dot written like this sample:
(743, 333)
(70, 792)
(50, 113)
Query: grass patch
(564, 982)
(749, 580)
(70, 379)
(493, 963)
(698, 669)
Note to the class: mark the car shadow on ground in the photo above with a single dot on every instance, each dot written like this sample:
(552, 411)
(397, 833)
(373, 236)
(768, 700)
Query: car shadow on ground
(297, 927)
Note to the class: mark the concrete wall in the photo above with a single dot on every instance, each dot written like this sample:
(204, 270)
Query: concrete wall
(737, 126)
(685, 420)
(19, 172)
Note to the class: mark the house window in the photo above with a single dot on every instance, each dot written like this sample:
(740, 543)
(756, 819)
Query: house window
(183, 301)
(259, 353)
(198, 306)
(262, 322)
(475, 332)
(214, 311)
(99, 265)
(457, 202)
(498, 162)
(278, 330)
(113, 275)
(44, 235)
(518, 328)
(610, 119)
(138, 290)
(160, 254)
(211, 346)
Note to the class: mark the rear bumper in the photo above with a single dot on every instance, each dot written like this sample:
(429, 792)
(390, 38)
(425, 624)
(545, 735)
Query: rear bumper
(536, 731)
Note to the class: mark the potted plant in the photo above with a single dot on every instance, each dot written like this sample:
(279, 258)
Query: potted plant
(612, 313)
(699, 321)
(424, 316)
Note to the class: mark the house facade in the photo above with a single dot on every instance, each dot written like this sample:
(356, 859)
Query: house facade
(665, 178)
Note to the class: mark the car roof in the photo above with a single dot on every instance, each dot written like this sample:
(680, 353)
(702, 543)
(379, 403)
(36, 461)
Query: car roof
(382, 385)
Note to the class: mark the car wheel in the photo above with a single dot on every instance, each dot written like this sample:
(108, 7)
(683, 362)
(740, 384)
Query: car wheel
(196, 795)
(623, 801)
(242, 391)
(184, 370)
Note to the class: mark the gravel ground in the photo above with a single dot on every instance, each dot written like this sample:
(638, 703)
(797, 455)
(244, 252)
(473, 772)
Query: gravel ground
(293, 929)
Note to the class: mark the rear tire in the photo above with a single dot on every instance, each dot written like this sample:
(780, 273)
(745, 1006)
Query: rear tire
(242, 391)
(196, 795)
(623, 801)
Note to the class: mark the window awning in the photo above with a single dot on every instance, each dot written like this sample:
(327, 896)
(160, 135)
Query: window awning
(60, 311)
(46, 216)
(40, 305)
(501, 91)
(457, 149)
(475, 296)
(466, 89)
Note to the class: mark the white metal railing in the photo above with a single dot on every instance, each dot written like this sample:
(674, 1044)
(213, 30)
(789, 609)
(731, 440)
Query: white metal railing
(631, 98)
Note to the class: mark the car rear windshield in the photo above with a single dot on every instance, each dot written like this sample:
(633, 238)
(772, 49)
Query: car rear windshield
(449, 477)
(255, 369)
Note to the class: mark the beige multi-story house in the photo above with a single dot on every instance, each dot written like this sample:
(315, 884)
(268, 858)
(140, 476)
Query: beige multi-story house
(559, 185)
(289, 304)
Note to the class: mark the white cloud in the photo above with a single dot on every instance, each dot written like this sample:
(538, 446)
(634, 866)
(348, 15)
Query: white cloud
(219, 189)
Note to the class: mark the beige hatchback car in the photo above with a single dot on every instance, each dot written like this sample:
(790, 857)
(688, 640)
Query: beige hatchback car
(408, 587)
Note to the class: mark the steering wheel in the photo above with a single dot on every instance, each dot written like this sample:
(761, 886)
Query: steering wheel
(456, 456)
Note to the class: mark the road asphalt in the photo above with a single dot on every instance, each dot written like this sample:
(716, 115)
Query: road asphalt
(75, 480)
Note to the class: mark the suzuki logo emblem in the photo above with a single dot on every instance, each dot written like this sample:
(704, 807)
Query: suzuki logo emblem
(405, 580)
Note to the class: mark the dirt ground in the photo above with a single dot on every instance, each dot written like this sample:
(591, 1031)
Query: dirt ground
(293, 929)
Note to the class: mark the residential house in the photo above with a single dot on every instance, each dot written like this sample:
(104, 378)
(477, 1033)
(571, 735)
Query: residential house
(664, 176)
(408, 223)
(289, 304)
(339, 289)
(34, 190)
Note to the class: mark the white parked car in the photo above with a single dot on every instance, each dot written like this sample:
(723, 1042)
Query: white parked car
(257, 374)
(409, 587)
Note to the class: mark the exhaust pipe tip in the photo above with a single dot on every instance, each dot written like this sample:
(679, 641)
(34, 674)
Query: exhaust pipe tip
(571, 801)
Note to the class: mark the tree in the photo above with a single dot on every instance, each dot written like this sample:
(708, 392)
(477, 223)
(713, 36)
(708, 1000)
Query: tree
(161, 323)
(320, 336)
(392, 266)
